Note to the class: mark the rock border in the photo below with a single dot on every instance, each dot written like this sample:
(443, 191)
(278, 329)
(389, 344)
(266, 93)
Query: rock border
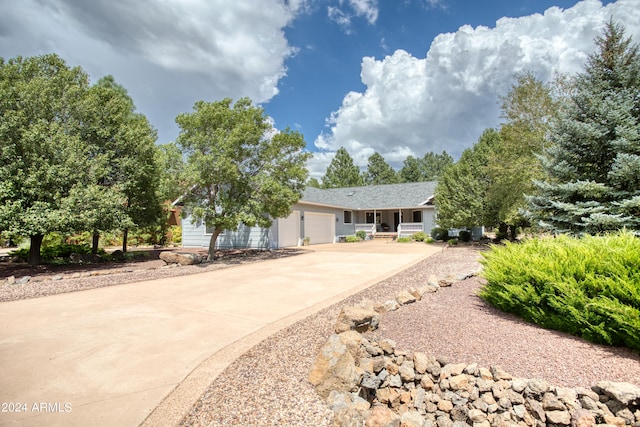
(372, 383)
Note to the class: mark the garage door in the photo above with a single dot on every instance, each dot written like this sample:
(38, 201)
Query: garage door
(289, 230)
(319, 227)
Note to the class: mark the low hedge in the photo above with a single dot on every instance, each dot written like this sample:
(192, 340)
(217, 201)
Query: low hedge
(588, 287)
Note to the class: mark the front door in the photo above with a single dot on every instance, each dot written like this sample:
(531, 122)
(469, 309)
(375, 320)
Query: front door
(396, 221)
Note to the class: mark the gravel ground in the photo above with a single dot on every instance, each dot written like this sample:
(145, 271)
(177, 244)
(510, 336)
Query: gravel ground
(51, 280)
(267, 386)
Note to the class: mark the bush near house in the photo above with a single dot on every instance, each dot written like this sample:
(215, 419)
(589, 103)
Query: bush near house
(438, 233)
(419, 236)
(352, 239)
(361, 234)
(464, 236)
(403, 239)
(588, 287)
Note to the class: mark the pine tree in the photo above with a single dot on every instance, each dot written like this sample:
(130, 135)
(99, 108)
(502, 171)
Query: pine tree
(379, 171)
(593, 163)
(342, 172)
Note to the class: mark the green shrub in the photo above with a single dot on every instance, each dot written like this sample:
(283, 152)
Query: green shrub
(403, 239)
(429, 240)
(453, 241)
(464, 236)
(352, 239)
(362, 235)
(55, 251)
(419, 236)
(438, 233)
(588, 287)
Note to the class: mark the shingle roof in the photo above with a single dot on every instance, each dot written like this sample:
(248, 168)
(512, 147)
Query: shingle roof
(391, 196)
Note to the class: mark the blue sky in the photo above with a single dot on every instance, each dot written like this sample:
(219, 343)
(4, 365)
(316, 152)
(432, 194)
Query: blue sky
(401, 77)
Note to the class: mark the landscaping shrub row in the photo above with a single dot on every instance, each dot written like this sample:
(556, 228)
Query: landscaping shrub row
(588, 287)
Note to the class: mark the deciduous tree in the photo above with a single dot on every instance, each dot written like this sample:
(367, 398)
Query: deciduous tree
(238, 168)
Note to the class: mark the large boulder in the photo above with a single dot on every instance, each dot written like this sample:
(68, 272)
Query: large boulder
(334, 368)
(356, 318)
(182, 258)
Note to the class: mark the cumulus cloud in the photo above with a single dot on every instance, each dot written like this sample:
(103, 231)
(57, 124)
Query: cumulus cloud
(169, 53)
(445, 100)
(342, 14)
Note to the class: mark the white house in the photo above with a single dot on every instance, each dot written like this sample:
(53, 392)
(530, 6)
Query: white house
(327, 215)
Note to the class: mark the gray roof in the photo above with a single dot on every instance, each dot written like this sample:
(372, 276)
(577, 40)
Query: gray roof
(391, 196)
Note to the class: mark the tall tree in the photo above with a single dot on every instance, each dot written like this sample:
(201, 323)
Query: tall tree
(239, 170)
(433, 165)
(461, 191)
(411, 170)
(594, 162)
(42, 157)
(171, 164)
(528, 109)
(379, 171)
(342, 172)
(122, 151)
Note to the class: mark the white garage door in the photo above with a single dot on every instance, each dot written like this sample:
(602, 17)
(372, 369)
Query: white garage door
(289, 230)
(320, 228)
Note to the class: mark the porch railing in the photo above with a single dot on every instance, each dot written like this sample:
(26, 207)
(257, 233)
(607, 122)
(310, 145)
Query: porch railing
(367, 228)
(408, 228)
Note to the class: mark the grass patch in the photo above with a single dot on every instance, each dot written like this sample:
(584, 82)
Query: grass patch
(588, 287)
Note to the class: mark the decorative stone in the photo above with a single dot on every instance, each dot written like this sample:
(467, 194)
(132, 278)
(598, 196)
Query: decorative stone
(358, 319)
(583, 418)
(477, 416)
(558, 417)
(417, 294)
(411, 419)
(407, 372)
(404, 297)
(11, 280)
(23, 280)
(182, 258)
(382, 416)
(334, 368)
(388, 346)
(391, 305)
(622, 392)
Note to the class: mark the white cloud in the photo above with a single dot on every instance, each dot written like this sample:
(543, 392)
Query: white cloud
(444, 101)
(169, 53)
(367, 9)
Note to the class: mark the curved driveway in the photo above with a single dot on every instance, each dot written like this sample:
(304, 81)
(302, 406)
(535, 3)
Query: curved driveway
(110, 356)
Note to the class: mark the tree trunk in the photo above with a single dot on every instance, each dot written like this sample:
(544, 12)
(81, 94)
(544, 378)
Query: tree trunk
(125, 234)
(34, 250)
(212, 243)
(94, 243)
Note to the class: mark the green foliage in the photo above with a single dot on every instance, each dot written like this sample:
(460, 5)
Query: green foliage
(428, 168)
(438, 233)
(342, 172)
(238, 169)
(464, 236)
(453, 241)
(379, 171)
(361, 234)
(404, 239)
(593, 162)
(419, 236)
(352, 239)
(461, 193)
(429, 240)
(56, 251)
(589, 287)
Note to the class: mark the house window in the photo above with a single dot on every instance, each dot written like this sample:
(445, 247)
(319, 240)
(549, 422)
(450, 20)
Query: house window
(368, 217)
(417, 216)
(347, 217)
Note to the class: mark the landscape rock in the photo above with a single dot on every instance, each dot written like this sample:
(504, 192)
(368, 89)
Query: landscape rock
(182, 258)
(355, 318)
(404, 297)
(624, 393)
(334, 368)
(23, 280)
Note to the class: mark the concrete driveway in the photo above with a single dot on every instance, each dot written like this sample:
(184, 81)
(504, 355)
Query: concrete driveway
(110, 356)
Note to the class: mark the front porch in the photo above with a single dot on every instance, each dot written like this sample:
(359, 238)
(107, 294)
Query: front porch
(389, 223)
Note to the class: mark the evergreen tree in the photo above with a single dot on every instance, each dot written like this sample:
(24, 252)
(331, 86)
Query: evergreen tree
(594, 161)
(461, 192)
(411, 170)
(379, 171)
(342, 172)
(433, 165)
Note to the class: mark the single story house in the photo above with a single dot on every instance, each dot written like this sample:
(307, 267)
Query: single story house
(327, 215)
